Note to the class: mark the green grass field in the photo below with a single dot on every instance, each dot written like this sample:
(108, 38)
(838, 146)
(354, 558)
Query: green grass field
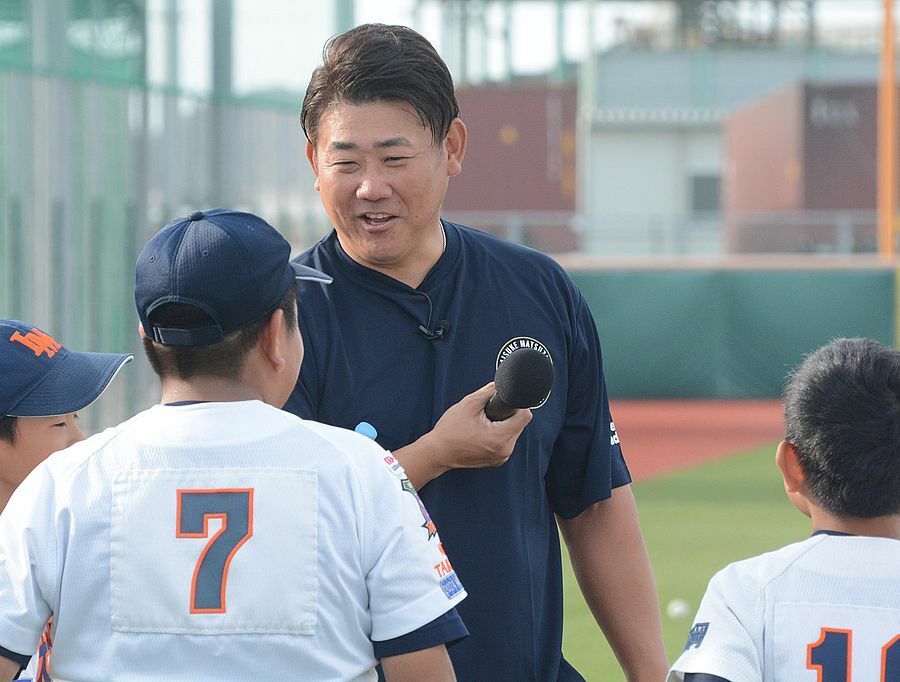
(695, 522)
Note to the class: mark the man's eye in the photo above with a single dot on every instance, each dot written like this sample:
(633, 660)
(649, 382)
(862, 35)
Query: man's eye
(392, 159)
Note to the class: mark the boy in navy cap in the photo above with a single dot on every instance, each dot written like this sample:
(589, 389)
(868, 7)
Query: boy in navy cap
(300, 546)
(43, 385)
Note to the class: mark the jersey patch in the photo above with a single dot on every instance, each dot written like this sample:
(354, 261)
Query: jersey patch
(696, 635)
(451, 586)
(518, 343)
(407, 486)
(197, 551)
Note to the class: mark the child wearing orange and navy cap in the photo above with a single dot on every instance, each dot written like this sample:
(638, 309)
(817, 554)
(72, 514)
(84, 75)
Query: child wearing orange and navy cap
(42, 386)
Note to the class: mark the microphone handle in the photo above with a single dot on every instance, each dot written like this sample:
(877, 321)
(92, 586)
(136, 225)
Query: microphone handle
(496, 410)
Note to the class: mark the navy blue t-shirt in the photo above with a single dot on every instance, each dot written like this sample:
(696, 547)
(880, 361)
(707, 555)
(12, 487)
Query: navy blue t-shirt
(366, 360)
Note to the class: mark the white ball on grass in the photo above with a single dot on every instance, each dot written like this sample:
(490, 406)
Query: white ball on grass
(678, 609)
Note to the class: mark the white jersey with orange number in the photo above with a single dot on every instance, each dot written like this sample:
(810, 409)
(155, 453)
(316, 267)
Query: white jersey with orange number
(212, 541)
(827, 608)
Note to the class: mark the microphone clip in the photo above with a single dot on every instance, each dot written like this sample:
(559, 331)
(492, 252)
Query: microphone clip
(436, 334)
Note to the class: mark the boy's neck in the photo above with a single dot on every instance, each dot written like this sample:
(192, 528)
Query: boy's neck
(879, 526)
(207, 389)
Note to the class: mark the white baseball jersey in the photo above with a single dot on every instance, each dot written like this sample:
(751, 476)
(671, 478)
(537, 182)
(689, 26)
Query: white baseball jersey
(827, 608)
(216, 540)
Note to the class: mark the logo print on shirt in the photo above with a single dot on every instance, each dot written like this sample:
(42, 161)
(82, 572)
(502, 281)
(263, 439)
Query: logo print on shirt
(429, 524)
(37, 341)
(518, 343)
(696, 635)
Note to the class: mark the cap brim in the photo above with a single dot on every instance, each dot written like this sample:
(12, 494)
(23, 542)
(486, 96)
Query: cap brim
(309, 274)
(73, 384)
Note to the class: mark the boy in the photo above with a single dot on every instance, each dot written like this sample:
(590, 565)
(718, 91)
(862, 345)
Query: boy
(43, 385)
(826, 609)
(215, 513)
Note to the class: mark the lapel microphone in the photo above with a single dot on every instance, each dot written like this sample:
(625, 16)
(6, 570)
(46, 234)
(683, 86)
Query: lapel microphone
(436, 334)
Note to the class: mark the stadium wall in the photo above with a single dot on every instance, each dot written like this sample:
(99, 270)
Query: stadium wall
(728, 333)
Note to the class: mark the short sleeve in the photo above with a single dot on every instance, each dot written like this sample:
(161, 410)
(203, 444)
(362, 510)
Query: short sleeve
(409, 577)
(28, 563)
(725, 639)
(587, 461)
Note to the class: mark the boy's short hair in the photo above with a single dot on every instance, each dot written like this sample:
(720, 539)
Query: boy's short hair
(206, 285)
(8, 429)
(842, 415)
(224, 359)
(377, 62)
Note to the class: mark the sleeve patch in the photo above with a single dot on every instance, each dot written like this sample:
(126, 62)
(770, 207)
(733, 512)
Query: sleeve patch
(451, 585)
(696, 635)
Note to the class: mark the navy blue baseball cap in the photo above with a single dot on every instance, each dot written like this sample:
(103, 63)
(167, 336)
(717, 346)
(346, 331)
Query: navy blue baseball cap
(39, 377)
(232, 265)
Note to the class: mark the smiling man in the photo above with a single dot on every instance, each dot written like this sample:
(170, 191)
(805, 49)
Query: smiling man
(420, 314)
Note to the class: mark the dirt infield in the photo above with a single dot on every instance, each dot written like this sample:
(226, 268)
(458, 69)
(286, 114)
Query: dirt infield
(661, 436)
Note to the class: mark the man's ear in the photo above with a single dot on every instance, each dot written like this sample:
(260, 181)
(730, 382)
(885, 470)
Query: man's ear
(313, 161)
(270, 342)
(455, 146)
(141, 333)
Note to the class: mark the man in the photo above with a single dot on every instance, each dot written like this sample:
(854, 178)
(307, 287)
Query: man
(420, 313)
(44, 384)
(827, 608)
(214, 535)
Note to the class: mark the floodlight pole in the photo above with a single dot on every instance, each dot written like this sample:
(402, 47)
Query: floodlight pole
(887, 138)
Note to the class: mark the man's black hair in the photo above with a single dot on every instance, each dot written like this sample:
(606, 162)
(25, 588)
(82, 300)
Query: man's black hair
(377, 62)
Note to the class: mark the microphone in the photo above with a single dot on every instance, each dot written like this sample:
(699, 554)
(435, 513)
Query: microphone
(524, 379)
(435, 335)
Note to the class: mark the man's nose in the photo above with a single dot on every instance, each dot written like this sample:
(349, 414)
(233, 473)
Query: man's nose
(373, 186)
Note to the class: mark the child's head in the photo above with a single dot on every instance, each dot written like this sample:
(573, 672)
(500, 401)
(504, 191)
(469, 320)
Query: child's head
(213, 289)
(43, 386)
(842, 413)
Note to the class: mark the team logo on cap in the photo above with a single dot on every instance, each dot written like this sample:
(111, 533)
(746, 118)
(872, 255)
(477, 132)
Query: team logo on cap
(37, 341)
(519, 343)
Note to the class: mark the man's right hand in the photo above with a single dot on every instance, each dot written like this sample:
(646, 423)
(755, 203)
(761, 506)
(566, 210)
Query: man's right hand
(463, 438)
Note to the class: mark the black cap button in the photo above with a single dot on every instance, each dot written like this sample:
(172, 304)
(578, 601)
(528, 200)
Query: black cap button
(196, 215)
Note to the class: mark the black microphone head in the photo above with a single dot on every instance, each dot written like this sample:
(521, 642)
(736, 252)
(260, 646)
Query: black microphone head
(524, 378)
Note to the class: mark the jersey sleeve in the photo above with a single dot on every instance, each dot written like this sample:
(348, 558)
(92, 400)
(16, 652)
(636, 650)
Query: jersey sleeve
(410, 580)
(726, 637)
(445, 629)
(28, 563)
(587, 461)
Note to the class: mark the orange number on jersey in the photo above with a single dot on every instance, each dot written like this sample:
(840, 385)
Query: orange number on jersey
(195, 508)
(831, 657)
